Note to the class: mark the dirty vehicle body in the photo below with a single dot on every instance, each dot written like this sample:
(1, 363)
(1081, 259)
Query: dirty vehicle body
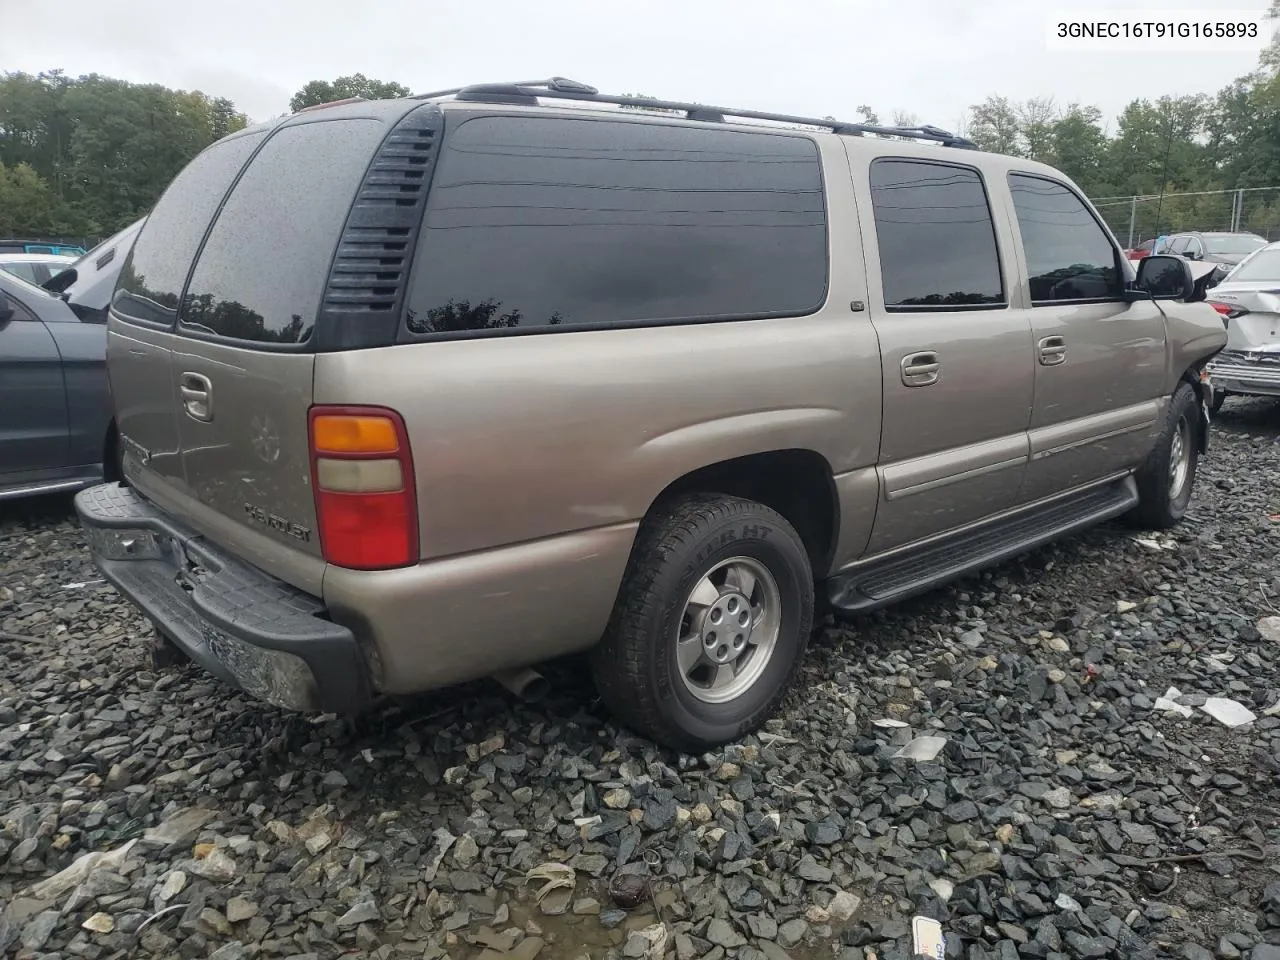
(1249, 301)
(508, 379)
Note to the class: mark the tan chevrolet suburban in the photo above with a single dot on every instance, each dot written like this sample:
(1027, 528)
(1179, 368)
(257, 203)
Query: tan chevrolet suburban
(415, 392)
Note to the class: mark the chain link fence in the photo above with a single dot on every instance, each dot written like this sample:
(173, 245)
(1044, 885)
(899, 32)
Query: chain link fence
(1248, 210)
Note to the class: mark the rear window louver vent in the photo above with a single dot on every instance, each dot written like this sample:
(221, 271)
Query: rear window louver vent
(367, 281)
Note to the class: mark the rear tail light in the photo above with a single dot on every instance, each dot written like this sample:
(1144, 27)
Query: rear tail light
(1229, 311)
(362, 473)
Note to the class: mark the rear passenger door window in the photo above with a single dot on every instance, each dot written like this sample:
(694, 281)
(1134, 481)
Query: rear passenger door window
(1069, 255)
(542, 222)
(936, 237)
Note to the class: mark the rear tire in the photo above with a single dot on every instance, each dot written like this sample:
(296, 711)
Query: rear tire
(1166, 479)
(710, 625)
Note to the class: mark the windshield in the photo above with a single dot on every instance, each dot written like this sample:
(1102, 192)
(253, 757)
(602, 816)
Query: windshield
(1263, 266)
(1233, 244)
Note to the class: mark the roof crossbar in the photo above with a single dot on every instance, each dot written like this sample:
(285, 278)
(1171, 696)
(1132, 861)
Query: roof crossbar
(559, 88)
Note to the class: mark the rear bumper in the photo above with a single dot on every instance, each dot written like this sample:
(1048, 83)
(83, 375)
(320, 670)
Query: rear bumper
(1246, 376)
(250, 630)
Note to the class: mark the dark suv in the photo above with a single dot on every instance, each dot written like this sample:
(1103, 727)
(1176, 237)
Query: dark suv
(1223, 249)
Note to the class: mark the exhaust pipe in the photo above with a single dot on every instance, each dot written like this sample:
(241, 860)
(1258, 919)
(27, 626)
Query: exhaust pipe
(526, 683)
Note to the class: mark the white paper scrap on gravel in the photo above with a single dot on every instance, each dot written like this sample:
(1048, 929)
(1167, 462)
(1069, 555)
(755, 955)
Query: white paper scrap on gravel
(922, 749)
(1169, 702)
(1231, 713)
(1269, 627)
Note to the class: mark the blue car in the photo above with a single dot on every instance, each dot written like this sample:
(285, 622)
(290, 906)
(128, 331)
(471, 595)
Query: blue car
(57, 429)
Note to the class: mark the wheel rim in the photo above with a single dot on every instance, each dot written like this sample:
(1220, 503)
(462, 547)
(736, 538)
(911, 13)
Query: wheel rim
(1179, 457)
(728, 630)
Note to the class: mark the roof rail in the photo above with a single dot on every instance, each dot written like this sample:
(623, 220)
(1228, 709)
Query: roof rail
(331, 103)
(529, 92)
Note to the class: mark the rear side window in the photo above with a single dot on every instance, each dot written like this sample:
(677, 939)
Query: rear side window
(535, 222)
(1069, 255)
(264, 267)
(936, 236)
(152, 278)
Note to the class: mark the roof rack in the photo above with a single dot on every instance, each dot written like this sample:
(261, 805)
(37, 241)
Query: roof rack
(528, 92)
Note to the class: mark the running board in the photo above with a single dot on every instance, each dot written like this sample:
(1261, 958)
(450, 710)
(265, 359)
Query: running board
(880, 583)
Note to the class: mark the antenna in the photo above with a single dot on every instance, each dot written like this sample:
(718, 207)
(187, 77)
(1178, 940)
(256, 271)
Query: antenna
(1164, 173)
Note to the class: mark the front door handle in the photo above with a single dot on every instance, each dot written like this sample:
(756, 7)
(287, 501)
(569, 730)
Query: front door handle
(921, 369)
(197, 396)
(1053, 350)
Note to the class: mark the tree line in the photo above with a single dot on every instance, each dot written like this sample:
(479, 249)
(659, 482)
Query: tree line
(81, 157)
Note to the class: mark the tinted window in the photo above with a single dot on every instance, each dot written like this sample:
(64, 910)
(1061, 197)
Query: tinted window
(1069, 256)
(151, 281)
(1177, 245)
(263, 269)
(937, 239)
(536, 221)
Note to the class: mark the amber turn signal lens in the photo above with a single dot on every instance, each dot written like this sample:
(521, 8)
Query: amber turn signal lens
(353, 434)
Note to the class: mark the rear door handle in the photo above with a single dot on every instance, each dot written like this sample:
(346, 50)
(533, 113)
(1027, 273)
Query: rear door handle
(197, 396)
(1053, 350)
(921, 369)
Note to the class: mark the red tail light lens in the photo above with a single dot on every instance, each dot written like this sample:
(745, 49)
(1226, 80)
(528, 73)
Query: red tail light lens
(362, 473)
(1229, 311)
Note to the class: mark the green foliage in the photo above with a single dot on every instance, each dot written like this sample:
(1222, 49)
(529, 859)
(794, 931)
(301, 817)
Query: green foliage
(85, 156)
(356, 85)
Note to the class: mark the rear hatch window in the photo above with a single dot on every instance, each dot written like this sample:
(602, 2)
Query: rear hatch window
(263, 270)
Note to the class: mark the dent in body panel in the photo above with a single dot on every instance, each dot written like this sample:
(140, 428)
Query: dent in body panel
(936, 470)
(263, 551)
(1075, 452)
(1195, 334)
(249, 464)
(459, 619)
(139, 362)
(859, 494)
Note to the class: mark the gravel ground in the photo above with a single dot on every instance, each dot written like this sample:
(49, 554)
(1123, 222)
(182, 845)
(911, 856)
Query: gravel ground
(149, 812)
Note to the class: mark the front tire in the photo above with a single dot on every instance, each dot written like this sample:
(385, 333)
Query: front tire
(1166, 479)
(1219, 398)
(710, 624)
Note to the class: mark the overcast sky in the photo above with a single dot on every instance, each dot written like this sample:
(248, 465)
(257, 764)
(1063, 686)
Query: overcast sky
(931, 58)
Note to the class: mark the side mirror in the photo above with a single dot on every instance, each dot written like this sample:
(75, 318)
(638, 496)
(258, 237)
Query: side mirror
(6, 309)
(1192, 254)
(1164, 277)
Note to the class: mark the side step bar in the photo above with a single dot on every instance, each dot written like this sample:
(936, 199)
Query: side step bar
(880, 583)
